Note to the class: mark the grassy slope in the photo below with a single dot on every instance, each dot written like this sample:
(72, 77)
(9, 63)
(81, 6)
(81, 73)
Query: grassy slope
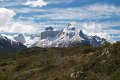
(84, 62)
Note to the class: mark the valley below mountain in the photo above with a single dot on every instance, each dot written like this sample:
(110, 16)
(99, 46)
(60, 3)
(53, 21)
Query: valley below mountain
(81, 62)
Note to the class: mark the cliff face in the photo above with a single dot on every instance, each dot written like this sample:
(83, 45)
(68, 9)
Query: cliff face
(47, 34)
(20, 38)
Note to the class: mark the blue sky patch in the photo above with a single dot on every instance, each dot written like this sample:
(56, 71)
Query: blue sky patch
(93, 16)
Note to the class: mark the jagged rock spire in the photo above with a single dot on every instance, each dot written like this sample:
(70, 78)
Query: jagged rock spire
(49, 28)
(70, 26)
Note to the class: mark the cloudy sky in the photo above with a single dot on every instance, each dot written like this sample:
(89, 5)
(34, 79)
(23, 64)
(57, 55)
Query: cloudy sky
(94, 17)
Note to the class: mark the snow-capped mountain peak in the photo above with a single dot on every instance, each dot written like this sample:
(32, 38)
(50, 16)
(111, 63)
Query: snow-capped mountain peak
(68, 36)
(8, 45)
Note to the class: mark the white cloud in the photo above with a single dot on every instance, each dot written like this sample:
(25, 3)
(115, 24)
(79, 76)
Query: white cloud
(32, 3)
(36, 3)
(20, 27)
(96, 11)
(59, 17)
(5, 16)
(7, 23)
(28, 10)
(100, 34)
(93, 29)
(104, 9)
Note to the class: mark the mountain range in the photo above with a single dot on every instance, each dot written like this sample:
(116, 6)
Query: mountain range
(65, 37)
(49, 56)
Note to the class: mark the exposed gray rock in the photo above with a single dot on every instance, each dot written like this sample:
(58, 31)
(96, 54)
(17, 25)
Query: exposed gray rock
(77, 74)
(20, 38)
(66, 37)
